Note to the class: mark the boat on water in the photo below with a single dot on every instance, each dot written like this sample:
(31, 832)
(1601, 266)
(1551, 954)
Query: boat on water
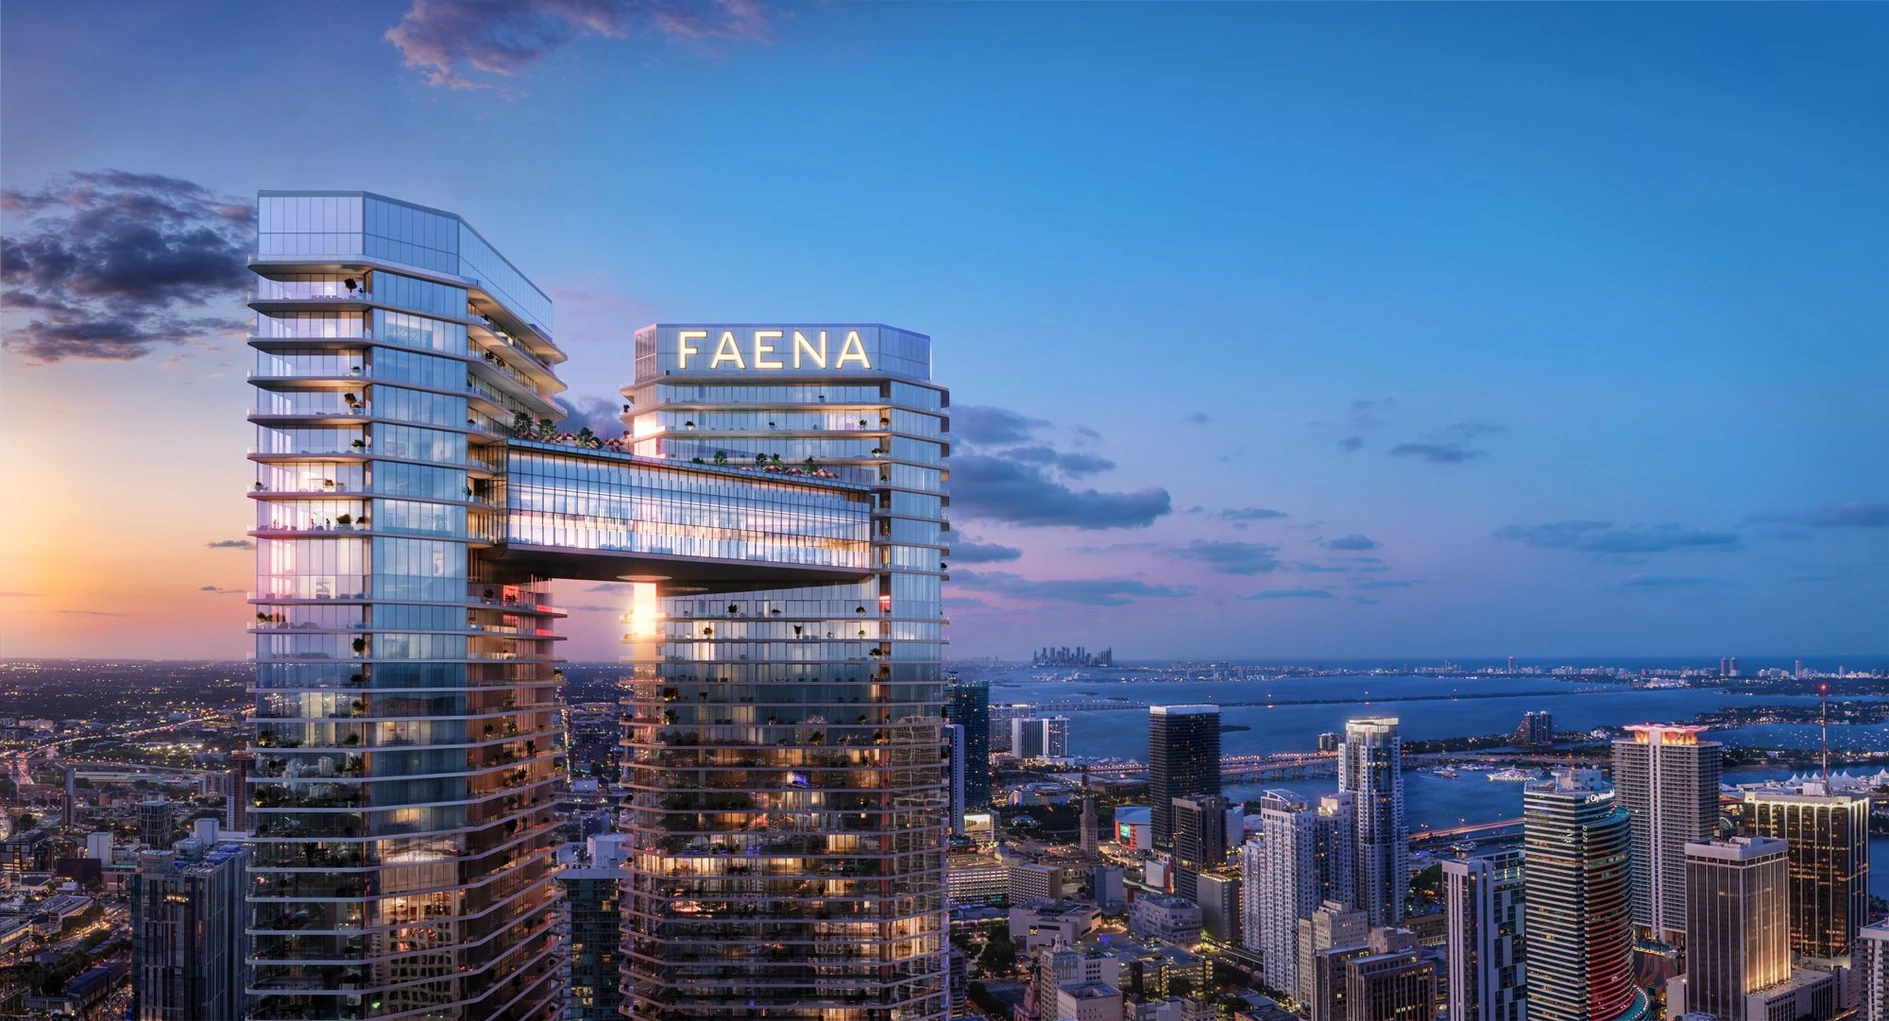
(1515, 775)
(1445, 772)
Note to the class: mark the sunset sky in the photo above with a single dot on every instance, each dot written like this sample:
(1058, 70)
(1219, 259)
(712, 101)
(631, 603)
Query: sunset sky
(1272, 331)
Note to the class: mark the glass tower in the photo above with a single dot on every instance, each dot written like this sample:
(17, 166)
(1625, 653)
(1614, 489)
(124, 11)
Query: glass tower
(784, 747)
(1828, 838)
(1738, 933)
(969, 707)
(1371, 769)
(1579, 907)
(1488, 974)
(1183, 760)
(406, 707)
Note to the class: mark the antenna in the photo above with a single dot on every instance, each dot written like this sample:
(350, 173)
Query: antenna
(1823, 721)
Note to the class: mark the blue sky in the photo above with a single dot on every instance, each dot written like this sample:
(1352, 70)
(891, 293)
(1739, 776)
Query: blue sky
(1546, 330)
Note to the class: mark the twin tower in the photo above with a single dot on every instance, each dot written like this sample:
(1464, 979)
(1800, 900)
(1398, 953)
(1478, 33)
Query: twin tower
(774, 510)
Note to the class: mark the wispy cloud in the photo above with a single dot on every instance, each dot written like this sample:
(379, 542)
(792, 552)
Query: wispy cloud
(1660, 582)
(1351, 543)
(1222, 557)
(472, 44)
(231, 544)
(90, 613)
(1604, 538)
(1198, 418)
(1285, 593)
(983, 553)
(1834, 515)
(1081, 591)
(220, 591)
(1251, 513)
(1450, 446)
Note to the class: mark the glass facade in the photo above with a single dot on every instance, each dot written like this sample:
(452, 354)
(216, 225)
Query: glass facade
(407, 735)
(783, 750)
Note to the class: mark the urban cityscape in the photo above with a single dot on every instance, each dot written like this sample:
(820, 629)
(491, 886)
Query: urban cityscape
(532, 611)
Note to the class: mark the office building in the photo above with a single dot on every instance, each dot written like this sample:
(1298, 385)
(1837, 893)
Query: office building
(236, 805)
(1286, 875)
(1058, 967)
(954, 752)
(1090, 829)
(776, 508)
(1371, 770)
(1484, 945)
(1667, 780)
(1040, 923)
(1333, 924)
(1390, 981)
(1872, 970)
(1200, 830)
(70, 809)
(1578, 915)
(1183, 760)
(593, 923)
(1218, 894)
(1107, 889)
(189, 948)
(1737, 924)
(967, 704)
(1032, 881)
(157, 823)
(98, 845)
(1327, 996)
(1828, 838)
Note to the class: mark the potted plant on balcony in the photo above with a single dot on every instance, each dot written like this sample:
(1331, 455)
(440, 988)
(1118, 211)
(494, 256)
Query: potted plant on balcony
(360, 645)
(344, 520)
(721, 458)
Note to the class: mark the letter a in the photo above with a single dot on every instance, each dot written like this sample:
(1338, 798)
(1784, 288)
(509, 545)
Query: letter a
(852, 350)
(727, 350)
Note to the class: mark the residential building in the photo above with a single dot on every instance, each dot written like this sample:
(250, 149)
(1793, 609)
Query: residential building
(954, 750)
(1058, 967)
(1484, 946)
(1390, 981)
(1183, 760)
(593, 922)
(1667, 779)
(1335, 845)
(1579, 903)
(1872, 969)
(777, 509)
(1828, 838)
(1034, 881)
(189, 947)
(1371, 769)
(967, 704)
(157, 822)
(1040, 737)
(1287, 878)
(1327, 997)
(1536, 729)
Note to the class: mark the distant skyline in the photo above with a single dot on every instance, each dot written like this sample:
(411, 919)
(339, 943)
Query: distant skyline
(1273, 332)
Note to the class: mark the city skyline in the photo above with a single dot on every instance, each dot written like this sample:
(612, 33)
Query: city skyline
(1524, 393)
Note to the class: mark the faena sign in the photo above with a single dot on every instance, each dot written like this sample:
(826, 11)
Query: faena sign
(768, 349)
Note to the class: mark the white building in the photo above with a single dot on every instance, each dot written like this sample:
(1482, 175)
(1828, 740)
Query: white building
(1288, 880)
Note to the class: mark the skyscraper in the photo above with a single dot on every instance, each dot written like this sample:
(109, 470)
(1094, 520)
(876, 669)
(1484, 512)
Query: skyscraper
(1200, 830)
(1872, 968)
(968, 705)
(1284, 869)
(1039, 737)
(1737, 924)
(189, 949)
(783, 748)
(1579, 911)
(1390, 983)
(1371, 769)
(1667, 780)
(955, 754)
(1332, 924)
(1828, 838)
(412, 502)
(1183, 759)
(1335, 844)
(70, 816)
(1091, 824)
(1484, 945)
(157, 821)
(593, 923)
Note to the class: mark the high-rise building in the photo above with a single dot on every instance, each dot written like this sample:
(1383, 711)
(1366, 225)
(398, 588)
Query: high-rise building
(157, 822)
(1332, 924)
(788, 733)
(1285, 871)
(1872, 968)
(70, 815)
(776, 508)
(1091, 828)
(1183, 760)
(1335, 844)
(1039, 737)
(1330, 741)
(1200, 830)
(1737, 924)
(1218, 894)
(968, 705)
(593, 923)
(1828, 838)
(954, 742)
(1536, 729)
(1371, 770)
(1579, 912)
(236, 807)
(189, 949)
(1484, 942)
(1390, 983)
(1667, 780)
